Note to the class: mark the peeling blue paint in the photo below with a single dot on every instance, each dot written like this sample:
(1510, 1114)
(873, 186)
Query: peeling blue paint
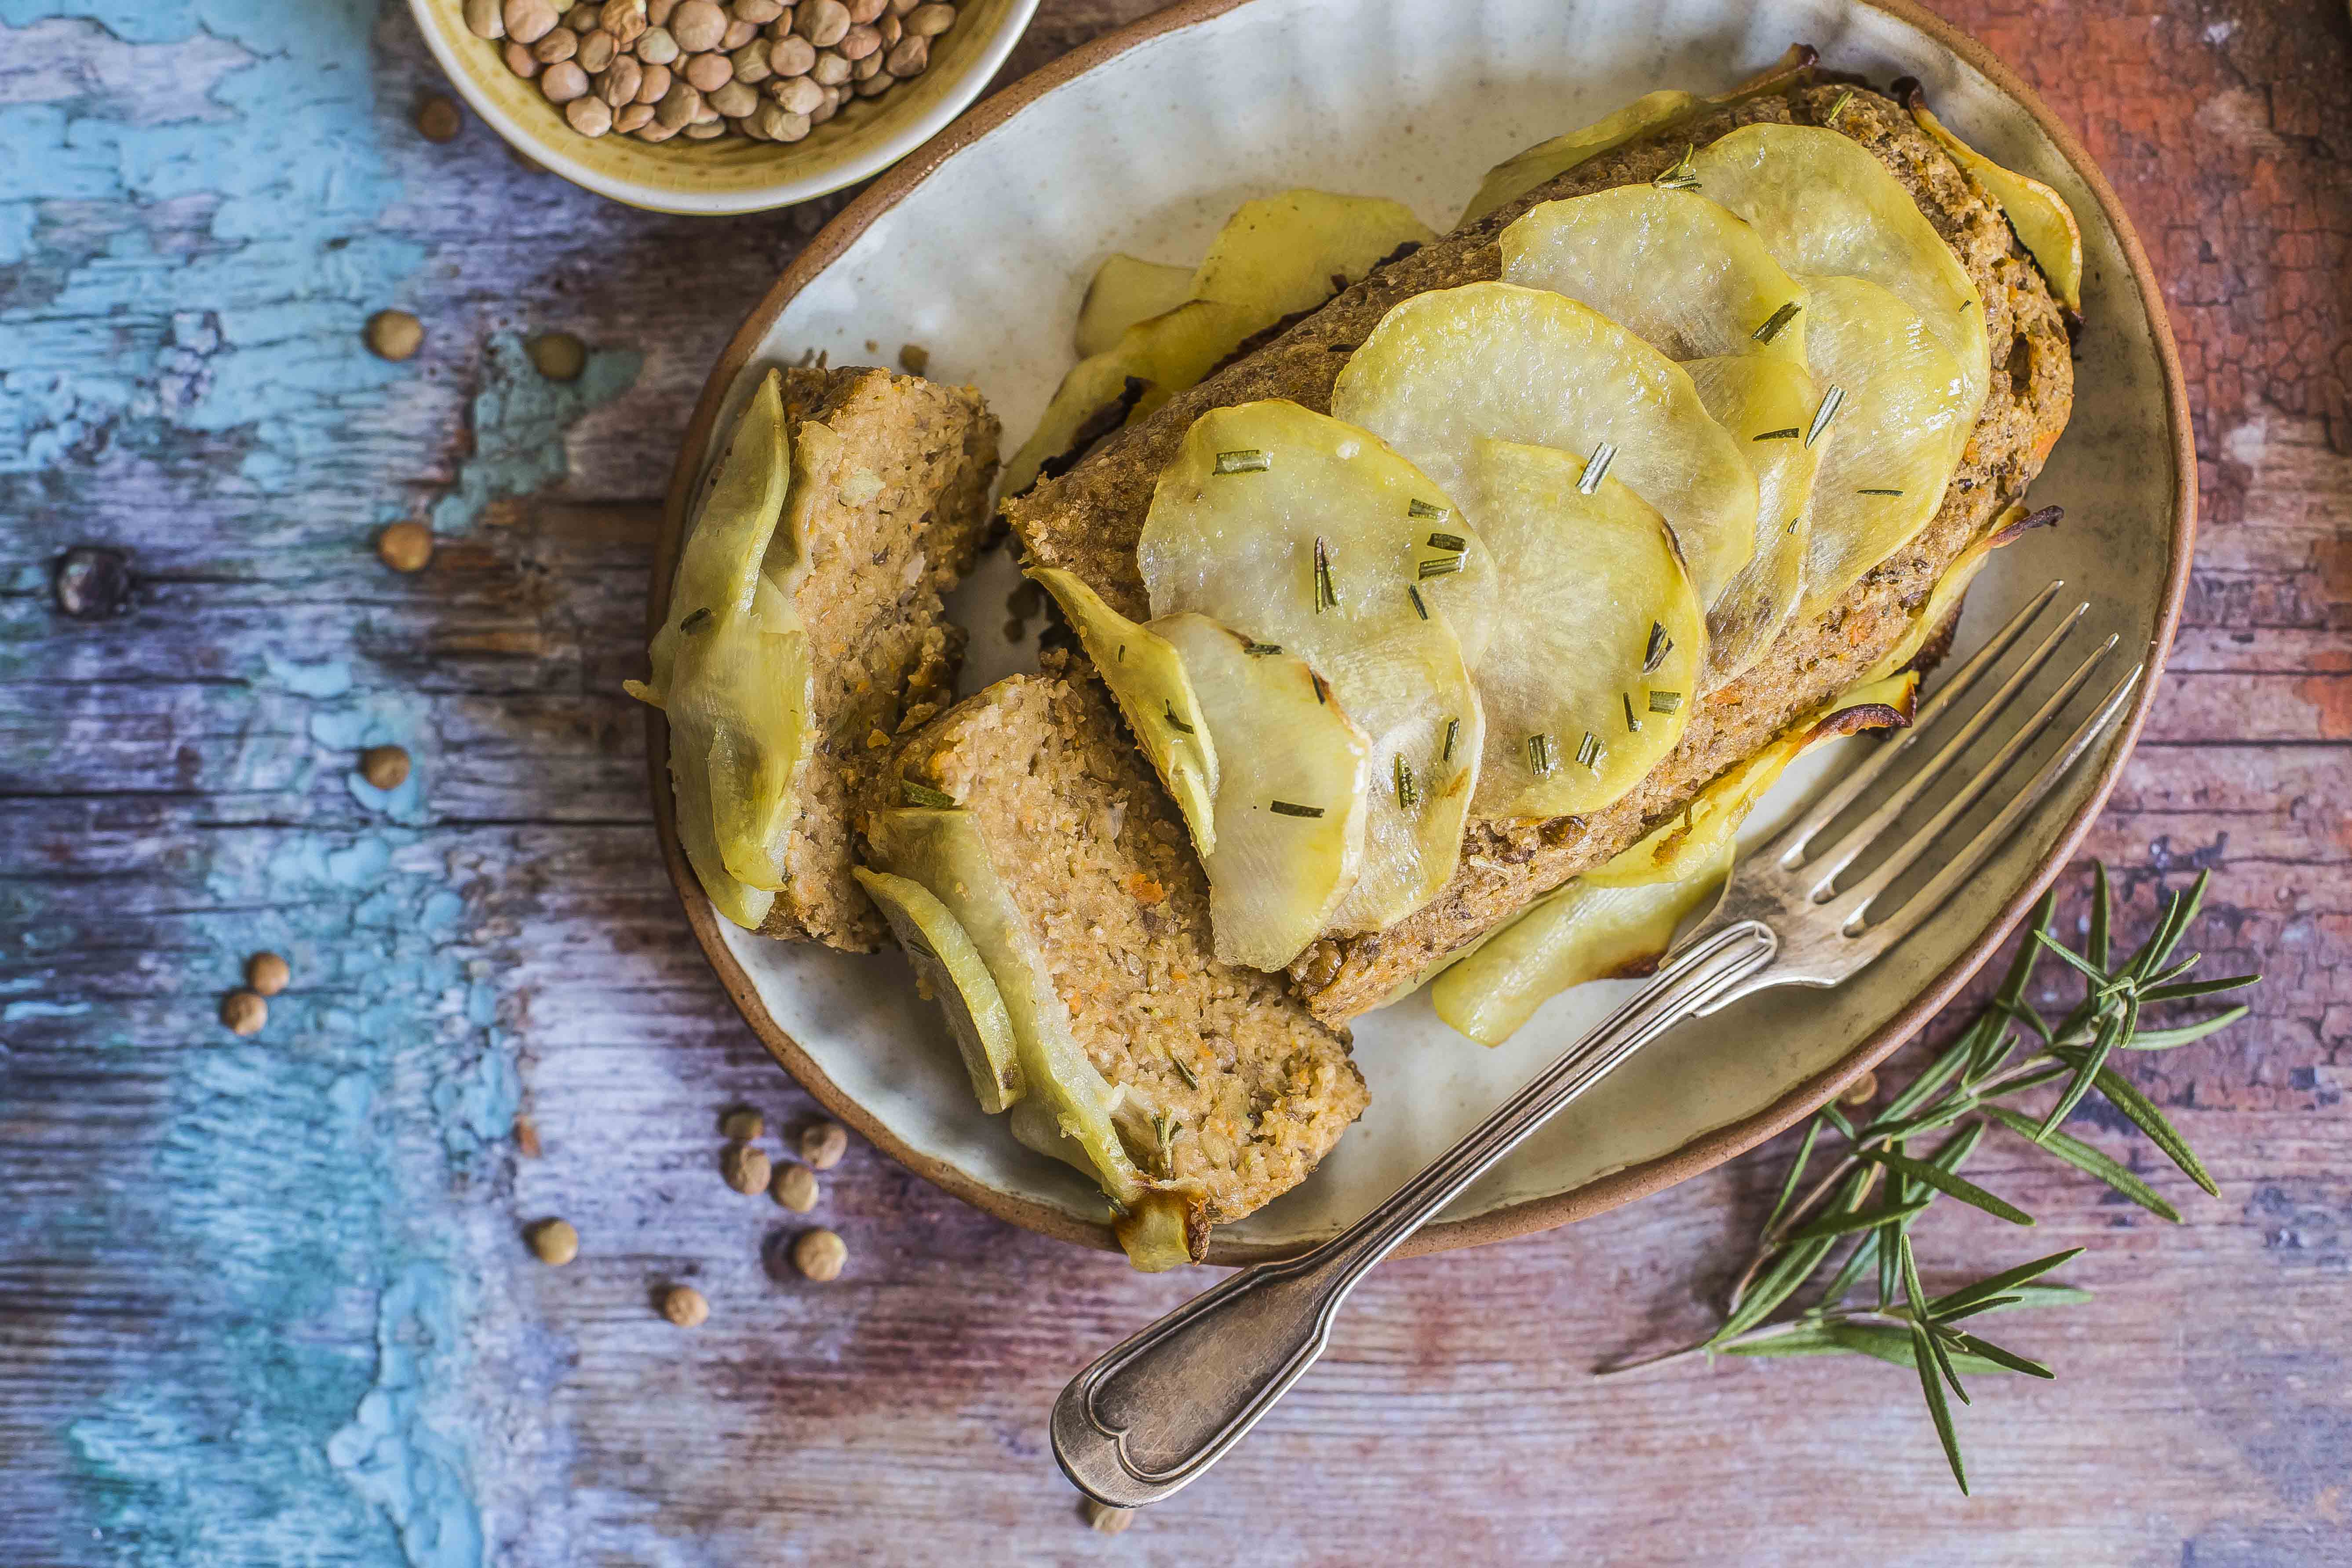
(520, 420)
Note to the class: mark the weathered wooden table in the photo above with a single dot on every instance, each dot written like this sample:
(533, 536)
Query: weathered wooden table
(264, 1301)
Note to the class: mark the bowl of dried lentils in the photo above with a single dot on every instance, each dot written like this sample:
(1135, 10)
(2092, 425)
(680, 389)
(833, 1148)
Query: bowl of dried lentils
(718, 106)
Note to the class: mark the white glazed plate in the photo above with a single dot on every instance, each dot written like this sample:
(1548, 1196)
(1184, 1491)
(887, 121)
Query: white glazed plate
(978, 249)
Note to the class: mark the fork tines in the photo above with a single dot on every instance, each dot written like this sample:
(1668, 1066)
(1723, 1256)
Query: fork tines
(1944, 744)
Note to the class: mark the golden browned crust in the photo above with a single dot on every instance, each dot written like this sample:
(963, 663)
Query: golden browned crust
(898, 523)
(1088, 521)
(1096, 856)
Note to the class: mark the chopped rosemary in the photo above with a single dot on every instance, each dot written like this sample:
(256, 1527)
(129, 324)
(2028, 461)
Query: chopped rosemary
(1453, 733)
(1664, 701)
(1789, 434)
(1632, 723)
(1539, 757)
(1182, 1071)
(1428, 512)
(1682, 176)
(1596, 468)
(1260, 649)
(1838, 107)
(1165, 1128)
(1831, 402)
(1291, 808)
(1408, 788)
(1878, 492)
(1776, 320)
(1452, 542)
(1417, 607)
(924, 795)
(1248, 460)
(1660, 645)
(696, 621)
(1326, 594)
(1588, 755)
(1440, 566)
(1175, 723)
(1315, 681)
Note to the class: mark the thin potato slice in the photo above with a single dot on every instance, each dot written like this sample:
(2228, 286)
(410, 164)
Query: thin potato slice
(1448, 368)
(730, 665)
(1281, 254)
(1766, 404)
(1548, 161)
(1062, 1090)
(1953, 587)
(1671, 267)
(1126, 291)
(951, 967)
(1153, 361)
(1147, 677)
(1581, 932)
(1592, 674)
(2045, 223)
(1290, 793)
(1889, 448)
(1709, 824)
(1274, 257)
(1303, 533)
(1825, 207)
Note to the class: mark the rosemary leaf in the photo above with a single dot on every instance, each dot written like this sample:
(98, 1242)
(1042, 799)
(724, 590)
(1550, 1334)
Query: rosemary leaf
(924, 795)
(1776, 320)
(1778, 1283)
(1453, 733)
(2167, 1039)
(1182, 1071)
(1831, 401)
(2113, 1027)
(1654, 653)
(1429, 512)
(1260, 649)
(1828, 1227)
(1417, 607)
(2181, 992)
(2004, 1283)
(1938, 1410)
(2083, 1157)
(1796, 1173)
(1984, 1350)
(2095, 946)
(1922, 1326)
(1944, 1181)
(2125, 1096)
(693, 624)
(1248, 460)
(1452, 542)
(2071, 959)
(1291, 808)
(1596, 468)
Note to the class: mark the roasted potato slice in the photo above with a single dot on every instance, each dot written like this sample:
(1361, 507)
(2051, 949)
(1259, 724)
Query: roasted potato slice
(1303, 533)
(1674, 268)
(1599, 637)
(943, 953)
(1446, 369)
(1548, 161)
(1767, 403)
(1282, 255)
(1290, 799)
(1147, 678)
(1126, 290)
(2045, 223)
(1825, 207)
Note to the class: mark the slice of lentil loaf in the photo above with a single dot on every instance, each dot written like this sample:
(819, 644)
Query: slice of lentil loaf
(1096, 856)
(1088, 519)
(896, 526)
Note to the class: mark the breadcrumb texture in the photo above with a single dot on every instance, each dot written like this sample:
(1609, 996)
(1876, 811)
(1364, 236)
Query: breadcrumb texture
(896, 526)
(1097, 859)
(1089, 520)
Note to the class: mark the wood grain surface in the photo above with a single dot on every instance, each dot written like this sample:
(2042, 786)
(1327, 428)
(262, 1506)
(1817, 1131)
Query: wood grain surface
(268, 1302)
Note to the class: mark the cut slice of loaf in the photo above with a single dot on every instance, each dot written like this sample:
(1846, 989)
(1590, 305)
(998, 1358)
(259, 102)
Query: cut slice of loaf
(896, 526)
(1088, 519)
(1254, 1090)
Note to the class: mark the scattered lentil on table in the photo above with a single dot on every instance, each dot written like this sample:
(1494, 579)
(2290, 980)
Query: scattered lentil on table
(385, 767)
(820, 1255)
(1108, 1520)
(394, 334)
(745, 1168)
(795, 1188)
(526, 1137)
(823, 1144)
(554, 1242)
(699, 69)
(438, 120)
(684, 1305)
(743, 1125)
(560, 356)
(405, 546)
(268, 973)
(243, 1012)
(1861, 1091)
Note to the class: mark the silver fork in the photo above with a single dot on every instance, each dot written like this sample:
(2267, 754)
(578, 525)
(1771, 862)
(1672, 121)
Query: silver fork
(1154, 1412)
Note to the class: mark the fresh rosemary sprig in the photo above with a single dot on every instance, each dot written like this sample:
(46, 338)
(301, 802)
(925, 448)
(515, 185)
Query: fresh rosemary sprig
(2008, 1050)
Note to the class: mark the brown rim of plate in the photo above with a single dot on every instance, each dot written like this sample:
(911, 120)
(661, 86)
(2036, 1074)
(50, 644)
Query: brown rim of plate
(1605, 1193)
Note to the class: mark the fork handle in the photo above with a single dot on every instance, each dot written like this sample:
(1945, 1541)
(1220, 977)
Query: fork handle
(1165, 1406)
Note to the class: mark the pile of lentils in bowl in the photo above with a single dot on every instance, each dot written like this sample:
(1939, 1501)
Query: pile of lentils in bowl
(700, 69)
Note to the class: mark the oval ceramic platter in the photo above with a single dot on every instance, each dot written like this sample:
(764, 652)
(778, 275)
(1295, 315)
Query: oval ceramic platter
(978, 250)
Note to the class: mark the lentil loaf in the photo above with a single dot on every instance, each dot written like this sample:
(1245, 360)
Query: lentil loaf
(1254, 1090)
(1088, 519)
(898, 523)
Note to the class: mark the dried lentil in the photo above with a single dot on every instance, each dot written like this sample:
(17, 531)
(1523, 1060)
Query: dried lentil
(560, 356)
(437, 120)
(822, 1144)
(819, 1254)
(385, 767)
(684, 1305)
(243, 1012)
(795, 1188)
(405, 546)
(394, 334)
(745, 1168)
(268, 973)
(554, 1242)
(743, 1125)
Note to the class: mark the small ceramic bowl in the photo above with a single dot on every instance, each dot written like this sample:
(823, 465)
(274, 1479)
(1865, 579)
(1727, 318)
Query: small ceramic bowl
(732, 173)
